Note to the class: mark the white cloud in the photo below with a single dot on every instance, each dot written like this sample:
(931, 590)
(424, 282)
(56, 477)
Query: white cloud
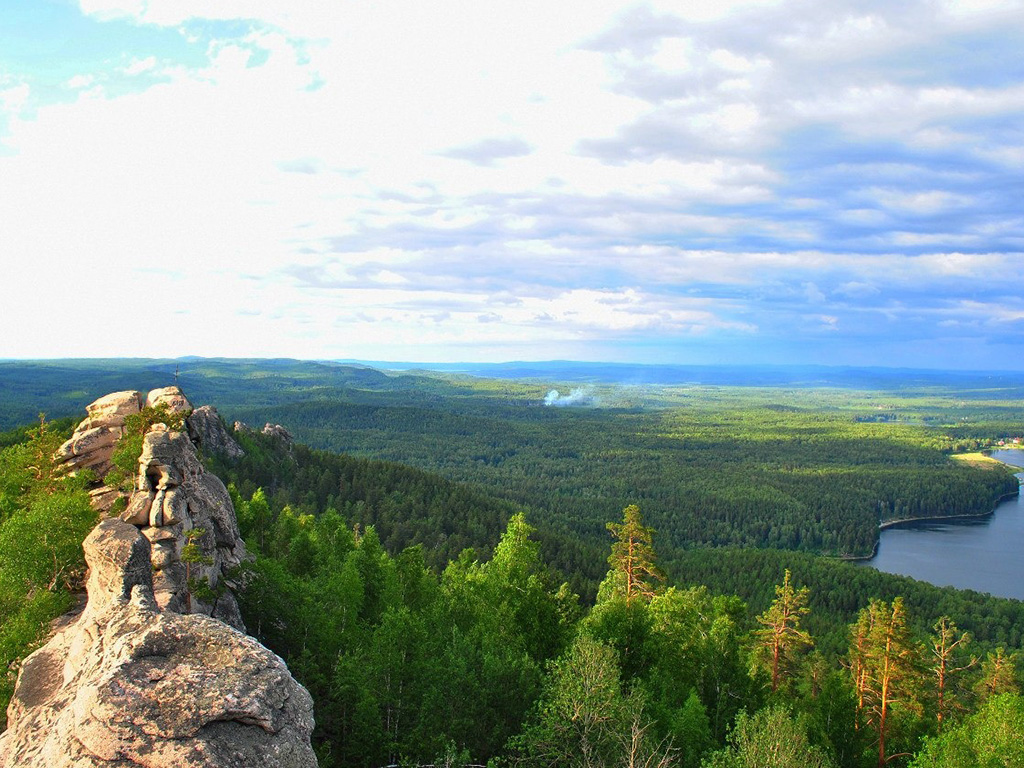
(927, 202)
(80, 81)
(674, 54)
(399, 171)
(138, 66)
(732, 62)
(14, 98)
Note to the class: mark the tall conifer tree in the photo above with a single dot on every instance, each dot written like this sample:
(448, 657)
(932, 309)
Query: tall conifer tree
(884, 661)
(632, 555)
(781, 638)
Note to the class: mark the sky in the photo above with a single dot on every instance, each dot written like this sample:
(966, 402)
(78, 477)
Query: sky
(727, 181)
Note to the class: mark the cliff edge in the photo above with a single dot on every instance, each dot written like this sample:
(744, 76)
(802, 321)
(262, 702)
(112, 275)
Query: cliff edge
(142, 677)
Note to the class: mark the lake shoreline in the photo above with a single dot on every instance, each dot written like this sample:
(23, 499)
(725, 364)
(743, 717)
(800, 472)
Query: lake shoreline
(939, 518)
(980, 552)
(910, 521)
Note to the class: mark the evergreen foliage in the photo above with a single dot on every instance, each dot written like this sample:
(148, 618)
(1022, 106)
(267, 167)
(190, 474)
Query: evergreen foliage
(432, 623)
(632, 559)
(44, 516)
(780, 640)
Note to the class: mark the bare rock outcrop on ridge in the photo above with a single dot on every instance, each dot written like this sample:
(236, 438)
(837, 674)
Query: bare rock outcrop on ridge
(279, 432)
(129, 684)
(175, 495)
(210, 435)
(142, 677)
(92, 444)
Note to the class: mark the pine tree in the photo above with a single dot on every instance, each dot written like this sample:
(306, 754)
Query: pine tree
(998, 675)
(884, 661)
(782, 639)
(632, 558)
(946, 645)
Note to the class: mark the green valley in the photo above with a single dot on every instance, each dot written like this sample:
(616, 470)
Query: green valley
(439, 559)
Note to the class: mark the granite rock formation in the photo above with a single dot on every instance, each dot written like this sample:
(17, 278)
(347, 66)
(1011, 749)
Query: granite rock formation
(92, 444)
(176, 498)
(171, 397)
(210, 435)
(173, 495)
(142, 677)
(130, 684)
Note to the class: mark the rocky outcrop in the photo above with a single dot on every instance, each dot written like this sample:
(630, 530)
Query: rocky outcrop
(278, 432)
(176, 498)
(131, 684)
(173, 496)
(210, 435)
(170, 397)
(92, 444)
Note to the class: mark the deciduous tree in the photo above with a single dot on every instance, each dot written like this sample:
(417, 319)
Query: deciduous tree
(770, 738)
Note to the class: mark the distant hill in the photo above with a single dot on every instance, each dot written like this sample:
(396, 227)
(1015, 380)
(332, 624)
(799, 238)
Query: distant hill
(721, 375)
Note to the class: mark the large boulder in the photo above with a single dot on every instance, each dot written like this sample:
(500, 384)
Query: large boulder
(92, 444)
(209, 433)
(129, 684)
(170, 397)
(111, 410)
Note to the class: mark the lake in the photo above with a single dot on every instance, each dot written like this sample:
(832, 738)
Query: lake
(986, 554)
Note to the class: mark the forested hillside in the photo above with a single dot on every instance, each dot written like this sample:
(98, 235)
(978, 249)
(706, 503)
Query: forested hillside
(494, 659)
(405, 506)
(434, 623)
(786, 466)
(815, 481)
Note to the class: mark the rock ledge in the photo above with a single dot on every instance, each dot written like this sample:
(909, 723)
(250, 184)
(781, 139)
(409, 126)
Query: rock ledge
(141, 677)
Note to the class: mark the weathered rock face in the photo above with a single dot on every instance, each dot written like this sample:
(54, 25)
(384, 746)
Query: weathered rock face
(176, 495)
(279, 432)
(129, 684)
(92, 444)
(208, 432)
(171, 397)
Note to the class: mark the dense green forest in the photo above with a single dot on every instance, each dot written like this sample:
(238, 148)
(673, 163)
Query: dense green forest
(789, 467)
(495, 659)
(491, 656)
(755, 477)
(480, 578)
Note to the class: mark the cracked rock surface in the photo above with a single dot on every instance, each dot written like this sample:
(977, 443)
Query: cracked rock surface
(175, 495)
(130, 684)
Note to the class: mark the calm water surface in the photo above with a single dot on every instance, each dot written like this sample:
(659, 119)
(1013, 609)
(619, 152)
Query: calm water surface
(986, 555)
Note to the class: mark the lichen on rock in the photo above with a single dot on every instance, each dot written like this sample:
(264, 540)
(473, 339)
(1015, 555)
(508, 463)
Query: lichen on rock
(128, 683)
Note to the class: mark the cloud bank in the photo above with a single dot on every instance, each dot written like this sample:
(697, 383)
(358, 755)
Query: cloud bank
(784, 181)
